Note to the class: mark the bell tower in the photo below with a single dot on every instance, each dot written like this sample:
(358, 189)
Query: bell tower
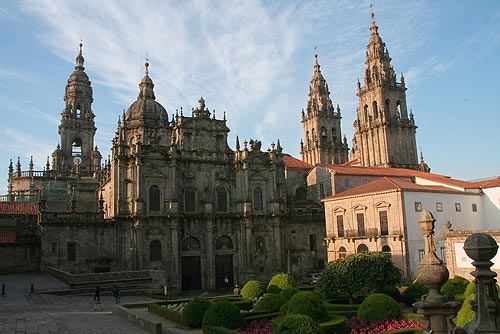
(384, 130)
(323, 143)
(76, 152)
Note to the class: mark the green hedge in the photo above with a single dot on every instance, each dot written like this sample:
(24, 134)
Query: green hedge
(335, 325)
(192, 315)
(341, 307)
(280, 282)
(308, 303)
(271, 302)
(379, 307)
(217, 330)
(223, 313)
(253, 289)
(414, 293)
(249, 317)
(244, 304)
(455, 286)
(296, 324)
(164, 312)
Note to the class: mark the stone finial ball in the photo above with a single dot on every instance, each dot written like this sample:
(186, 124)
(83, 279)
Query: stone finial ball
(480, 247)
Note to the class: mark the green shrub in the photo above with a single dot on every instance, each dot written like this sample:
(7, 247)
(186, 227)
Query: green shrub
(459, 298)
(244, 304)
(296, 324)
(271, 302)
(284, 309)
(223, 313)
(250, 316)
(414, 293)
(253, 289)
(466, 313)
(192, 315)
(157, 309)
(280, 282)
(455, 286)
(308, 303)
(391, 291)
(287, 293)
(412, 316)
(335, 325)
(378, 307)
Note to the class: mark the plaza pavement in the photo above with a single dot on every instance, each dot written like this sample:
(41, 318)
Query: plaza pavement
(23, 312)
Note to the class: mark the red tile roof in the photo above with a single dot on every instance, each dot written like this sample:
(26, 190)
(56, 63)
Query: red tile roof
(488, 183)
(358, 170)
(388, 183)
(291, 162)
(18, 208)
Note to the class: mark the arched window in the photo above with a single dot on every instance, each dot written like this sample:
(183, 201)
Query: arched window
(362, 248)
(155, 250)
(76, 147)
(324, 135)
(301, 194)
(334, 134)
(154, 198)
(189, 200)
(386, 249)
(257, 199)
(260, 245)
(221, 200)
(78, 111)
(307, 138)
(398, 107)
(342, 252)
(375, 109)
(191, 244)
(367, 112)
(387, 110)
(224, 243)
(313, 133)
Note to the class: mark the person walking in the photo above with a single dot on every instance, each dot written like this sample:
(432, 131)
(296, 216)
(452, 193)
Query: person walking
(116, 293)
(97, 298)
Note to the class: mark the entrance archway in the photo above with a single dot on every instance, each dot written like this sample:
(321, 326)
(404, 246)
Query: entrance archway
(191, 264)
(223, 261)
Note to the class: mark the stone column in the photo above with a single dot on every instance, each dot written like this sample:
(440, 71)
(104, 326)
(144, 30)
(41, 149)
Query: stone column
(481, 247)
(437, 311)
(210, 257)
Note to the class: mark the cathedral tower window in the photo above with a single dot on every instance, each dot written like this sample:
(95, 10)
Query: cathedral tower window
(76, 147)
(375, 109)
(155, 250)
(221, 200)
(324, 136)
(387, 107)
(334, 134)
(257, 199)
(398, 106)
(154, 198)
(313, 132)
(189, 200)
(367, 112)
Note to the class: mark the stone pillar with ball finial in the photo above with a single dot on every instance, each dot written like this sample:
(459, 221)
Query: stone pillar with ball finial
(436, 309)
(481, 248)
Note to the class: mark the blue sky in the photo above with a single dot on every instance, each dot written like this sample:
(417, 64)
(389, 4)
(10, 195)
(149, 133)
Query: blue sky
(254, 60)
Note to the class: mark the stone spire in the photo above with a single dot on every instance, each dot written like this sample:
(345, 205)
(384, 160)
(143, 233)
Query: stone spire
(321, 122)
(384, 132)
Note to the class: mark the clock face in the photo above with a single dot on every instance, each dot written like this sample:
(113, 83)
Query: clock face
(77, 160)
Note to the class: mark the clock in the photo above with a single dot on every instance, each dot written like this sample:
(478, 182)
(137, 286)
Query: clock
(77, 161)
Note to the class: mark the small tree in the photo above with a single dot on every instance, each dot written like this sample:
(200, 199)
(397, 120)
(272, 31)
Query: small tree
(357, 273)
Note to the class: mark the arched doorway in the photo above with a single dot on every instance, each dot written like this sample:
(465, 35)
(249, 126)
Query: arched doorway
(223, 261)
(362, 248)
(190, 264)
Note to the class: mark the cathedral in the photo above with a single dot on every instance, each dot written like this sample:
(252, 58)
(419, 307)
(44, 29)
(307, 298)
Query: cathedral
(176, 200)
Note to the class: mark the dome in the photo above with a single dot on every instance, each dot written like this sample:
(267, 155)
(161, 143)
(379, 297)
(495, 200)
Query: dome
(146, 106)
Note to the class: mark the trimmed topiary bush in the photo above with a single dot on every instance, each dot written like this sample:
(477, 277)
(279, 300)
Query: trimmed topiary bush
(466, 313)
(296, 324)
(271, 302)
(192, 315)
(414, 293)
(280, 282)
(223, 313)
(284, 309)
(379, 307)
(455, 286)
(308, 303)
(335, 325)
(287, 293)
(391, 291)
(253, 289)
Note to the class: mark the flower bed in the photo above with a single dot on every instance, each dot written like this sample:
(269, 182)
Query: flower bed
(356, 326)
(262, 326)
